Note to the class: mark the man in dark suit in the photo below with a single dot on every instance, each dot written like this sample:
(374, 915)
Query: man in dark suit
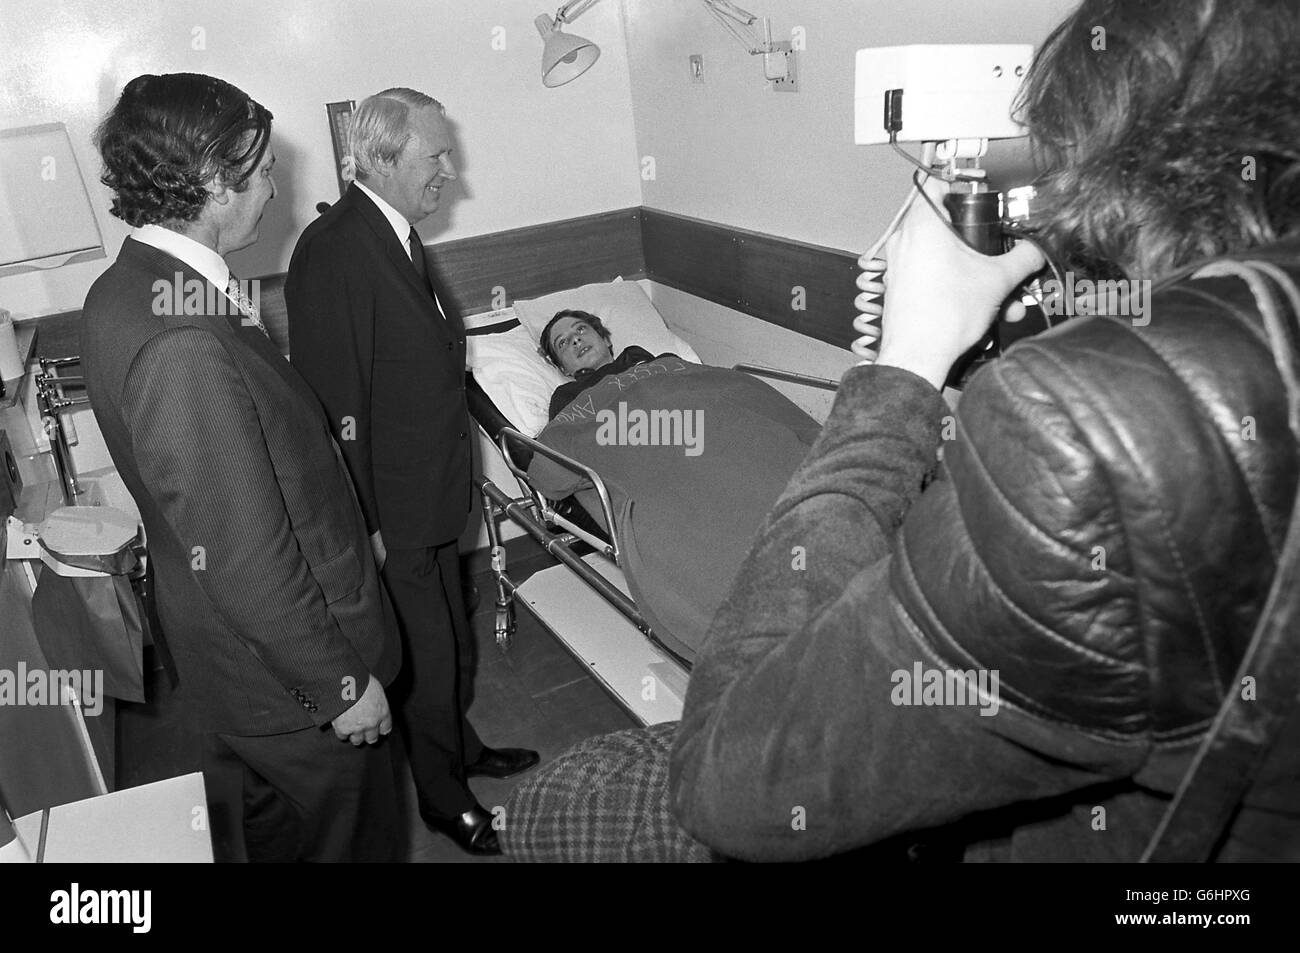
(269, 601)
(378, 339)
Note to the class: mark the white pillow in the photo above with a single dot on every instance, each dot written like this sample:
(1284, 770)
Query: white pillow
(621, 306)
(517, 379)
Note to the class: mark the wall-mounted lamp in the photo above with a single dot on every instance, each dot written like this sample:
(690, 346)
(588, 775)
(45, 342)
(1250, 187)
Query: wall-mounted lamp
(778, 58)
(565, 57)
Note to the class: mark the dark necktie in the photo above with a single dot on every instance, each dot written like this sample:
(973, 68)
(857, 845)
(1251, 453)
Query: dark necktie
(422, 268)
(417, 256)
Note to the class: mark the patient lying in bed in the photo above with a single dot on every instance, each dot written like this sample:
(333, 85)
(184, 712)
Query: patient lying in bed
(578, 343)
(693, 457)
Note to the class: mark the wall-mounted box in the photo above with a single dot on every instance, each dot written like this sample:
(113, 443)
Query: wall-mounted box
(953, 91)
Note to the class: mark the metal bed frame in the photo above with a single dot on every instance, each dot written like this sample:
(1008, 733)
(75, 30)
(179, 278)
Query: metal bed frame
(558, 534)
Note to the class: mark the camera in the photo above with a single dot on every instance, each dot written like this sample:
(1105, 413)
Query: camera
(992, 222)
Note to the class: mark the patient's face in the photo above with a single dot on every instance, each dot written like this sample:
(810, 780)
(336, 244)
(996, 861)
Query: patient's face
(578, 346)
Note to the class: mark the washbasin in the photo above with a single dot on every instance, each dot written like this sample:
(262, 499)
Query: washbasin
(105, 488)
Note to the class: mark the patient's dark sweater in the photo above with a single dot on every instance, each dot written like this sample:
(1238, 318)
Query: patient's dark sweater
(630, 357)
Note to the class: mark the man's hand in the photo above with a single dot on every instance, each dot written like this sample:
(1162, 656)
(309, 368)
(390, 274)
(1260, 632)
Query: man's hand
(942, 295)
(367, 720)
(377, 544)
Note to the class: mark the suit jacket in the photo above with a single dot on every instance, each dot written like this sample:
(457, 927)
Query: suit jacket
(266, 587)
(365, 332)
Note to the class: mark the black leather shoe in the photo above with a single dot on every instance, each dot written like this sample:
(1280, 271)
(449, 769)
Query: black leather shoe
(502, 763)
(472, 831)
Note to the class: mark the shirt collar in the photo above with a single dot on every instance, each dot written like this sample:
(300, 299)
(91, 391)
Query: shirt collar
(395, 218)
(200, 257)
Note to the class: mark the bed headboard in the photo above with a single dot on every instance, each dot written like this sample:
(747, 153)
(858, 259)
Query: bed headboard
(480, 272)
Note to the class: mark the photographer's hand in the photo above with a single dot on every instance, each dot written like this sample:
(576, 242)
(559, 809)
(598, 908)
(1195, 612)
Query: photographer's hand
(942, 295)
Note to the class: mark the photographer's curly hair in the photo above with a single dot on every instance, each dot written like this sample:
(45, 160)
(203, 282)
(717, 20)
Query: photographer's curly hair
(548, 350)
(169, 135)
(1149, 143)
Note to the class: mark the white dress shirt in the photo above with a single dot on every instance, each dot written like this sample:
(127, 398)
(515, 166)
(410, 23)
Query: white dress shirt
(401, 228)
(200, 257)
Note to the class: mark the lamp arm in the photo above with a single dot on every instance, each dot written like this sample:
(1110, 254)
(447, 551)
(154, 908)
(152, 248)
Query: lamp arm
(728, 8)
(574, 9)
(728, 15)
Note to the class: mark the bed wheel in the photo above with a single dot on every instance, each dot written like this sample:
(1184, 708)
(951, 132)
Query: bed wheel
(505, 626)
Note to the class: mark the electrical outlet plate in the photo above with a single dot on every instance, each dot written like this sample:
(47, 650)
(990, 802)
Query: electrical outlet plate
(790, 82)
(697, 69)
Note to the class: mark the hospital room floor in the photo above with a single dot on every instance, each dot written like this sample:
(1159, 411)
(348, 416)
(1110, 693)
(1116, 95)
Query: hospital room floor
(536, 696)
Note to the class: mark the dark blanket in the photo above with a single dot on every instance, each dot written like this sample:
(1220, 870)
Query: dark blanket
(628, 358)
(693, 457)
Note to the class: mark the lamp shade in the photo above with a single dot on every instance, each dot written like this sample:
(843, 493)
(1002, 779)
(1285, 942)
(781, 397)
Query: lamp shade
(564, 57)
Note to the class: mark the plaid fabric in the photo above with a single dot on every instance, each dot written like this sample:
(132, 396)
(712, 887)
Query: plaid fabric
(603, 800)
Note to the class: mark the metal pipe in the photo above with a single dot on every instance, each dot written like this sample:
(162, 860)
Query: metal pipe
(558, 546)
(66, 402)
(606, 507)
(49, 394)
(759, 371)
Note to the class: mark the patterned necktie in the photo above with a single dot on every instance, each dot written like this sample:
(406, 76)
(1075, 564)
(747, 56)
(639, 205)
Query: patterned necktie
(245, 305)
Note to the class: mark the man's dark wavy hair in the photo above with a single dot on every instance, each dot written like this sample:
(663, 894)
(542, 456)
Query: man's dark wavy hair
(1149, 142)
(169, 135)
(593, 322)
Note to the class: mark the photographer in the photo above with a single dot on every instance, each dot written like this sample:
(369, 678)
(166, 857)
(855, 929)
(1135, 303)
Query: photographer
(1108, 518)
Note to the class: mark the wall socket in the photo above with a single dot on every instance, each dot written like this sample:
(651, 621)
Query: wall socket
(790, 82)
(697, 68)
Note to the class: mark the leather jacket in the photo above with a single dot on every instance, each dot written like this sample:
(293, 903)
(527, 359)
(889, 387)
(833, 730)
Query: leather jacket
(1102, 534)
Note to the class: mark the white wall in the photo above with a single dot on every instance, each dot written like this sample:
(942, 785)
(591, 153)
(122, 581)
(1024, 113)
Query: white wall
(527, 154)
(733, 151)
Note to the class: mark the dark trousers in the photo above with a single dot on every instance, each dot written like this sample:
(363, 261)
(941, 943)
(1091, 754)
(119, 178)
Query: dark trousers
(433, 691)
(301, 796)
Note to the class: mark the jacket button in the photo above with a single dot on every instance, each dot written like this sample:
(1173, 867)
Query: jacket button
(450, 345)
(462, 435)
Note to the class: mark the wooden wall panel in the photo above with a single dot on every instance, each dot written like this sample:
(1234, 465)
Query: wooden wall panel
(754, 273)
(534, 261)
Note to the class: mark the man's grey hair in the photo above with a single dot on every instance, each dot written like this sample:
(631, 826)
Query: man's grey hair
(381, 127)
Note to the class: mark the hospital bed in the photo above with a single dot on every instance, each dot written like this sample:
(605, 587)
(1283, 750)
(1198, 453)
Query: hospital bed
(584, 600)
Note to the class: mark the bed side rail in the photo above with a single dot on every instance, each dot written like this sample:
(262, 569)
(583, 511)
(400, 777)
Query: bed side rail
(758, 370)
(511, 436)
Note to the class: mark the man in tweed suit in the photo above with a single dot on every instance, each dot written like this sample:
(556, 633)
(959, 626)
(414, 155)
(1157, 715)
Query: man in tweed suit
(268, 597)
